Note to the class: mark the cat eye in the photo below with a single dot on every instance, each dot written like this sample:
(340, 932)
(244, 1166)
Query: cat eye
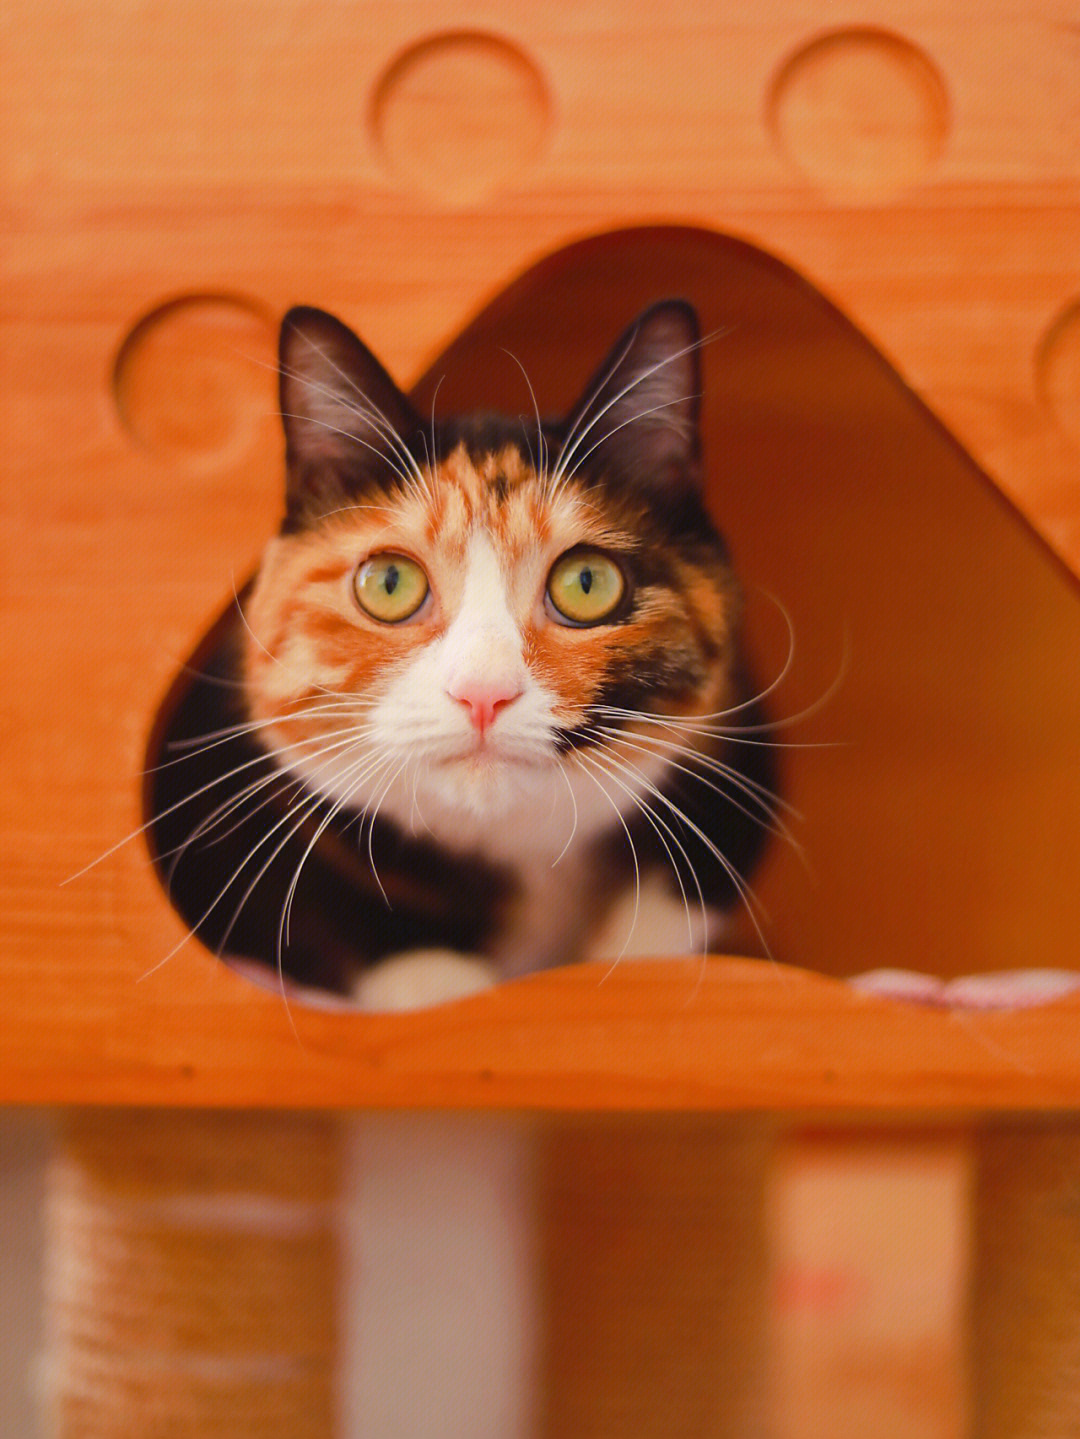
(390, 588)
(585, 587)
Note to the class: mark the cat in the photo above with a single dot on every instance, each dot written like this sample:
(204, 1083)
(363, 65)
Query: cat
(486, 687)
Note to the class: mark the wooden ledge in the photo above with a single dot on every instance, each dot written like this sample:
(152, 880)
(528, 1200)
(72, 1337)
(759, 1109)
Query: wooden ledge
(675, 1035)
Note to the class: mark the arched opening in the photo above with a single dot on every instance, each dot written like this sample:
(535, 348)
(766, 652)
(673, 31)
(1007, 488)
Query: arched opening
(936, 777)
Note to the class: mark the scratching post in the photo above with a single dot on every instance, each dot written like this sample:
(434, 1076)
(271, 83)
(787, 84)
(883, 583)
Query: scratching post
(1025, 1303)
(657, 1278)
(191, 1280)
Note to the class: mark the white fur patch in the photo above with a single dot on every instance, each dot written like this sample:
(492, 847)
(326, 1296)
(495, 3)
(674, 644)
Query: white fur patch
(419, 978)
(1002, 989)
(657, 923)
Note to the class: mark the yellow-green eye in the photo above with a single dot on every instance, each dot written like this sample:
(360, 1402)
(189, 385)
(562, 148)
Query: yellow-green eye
(390, 587)
(585, 587)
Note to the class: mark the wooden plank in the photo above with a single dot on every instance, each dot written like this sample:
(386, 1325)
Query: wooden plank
(236, 163)
(734, 1035)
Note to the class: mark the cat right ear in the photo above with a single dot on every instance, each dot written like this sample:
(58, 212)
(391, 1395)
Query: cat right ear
(639, 415)
(347, 425)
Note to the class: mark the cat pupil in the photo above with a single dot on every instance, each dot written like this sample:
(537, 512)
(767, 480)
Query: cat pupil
(586, 578)
(391, 580)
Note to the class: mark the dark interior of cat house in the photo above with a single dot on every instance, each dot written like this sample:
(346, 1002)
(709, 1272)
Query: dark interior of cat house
(914, 637)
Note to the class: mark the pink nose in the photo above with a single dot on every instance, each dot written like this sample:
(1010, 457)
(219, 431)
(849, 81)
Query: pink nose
(483, 701)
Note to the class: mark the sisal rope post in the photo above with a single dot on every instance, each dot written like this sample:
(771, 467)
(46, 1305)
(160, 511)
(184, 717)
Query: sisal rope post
(191, 1276)
(656, 1273)
(1025, 1289)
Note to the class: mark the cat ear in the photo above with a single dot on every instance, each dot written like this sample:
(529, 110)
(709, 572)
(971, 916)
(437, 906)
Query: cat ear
(638, 417)
(347, 425)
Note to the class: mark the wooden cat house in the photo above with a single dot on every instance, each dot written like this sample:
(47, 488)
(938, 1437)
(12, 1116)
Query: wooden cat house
(879, 218)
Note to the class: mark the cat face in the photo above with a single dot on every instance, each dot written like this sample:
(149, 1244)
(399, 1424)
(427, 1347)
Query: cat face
(458, 625)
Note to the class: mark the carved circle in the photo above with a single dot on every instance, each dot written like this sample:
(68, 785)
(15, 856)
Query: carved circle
(860, 111)
(458, 115)
(1058, 370)
(194, 380)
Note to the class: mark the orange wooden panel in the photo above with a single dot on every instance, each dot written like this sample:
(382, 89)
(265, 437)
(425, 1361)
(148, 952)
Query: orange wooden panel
(281, 152)
(175, 177)
(671, 1036)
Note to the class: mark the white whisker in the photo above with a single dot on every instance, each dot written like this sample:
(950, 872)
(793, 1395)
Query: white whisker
(307, 804)
(306, 809)
(403, 475)
(568, 474)
(371, 828)
(261, 758)
(541, 443)
(768, 819)
(351, 509)
(749, 900)
(574, 825)
(580, 759)
(195, 745)
(258, 642)
(356, 781)
(373, 416)
(277, 782)
(759, 794)
(570, 449)
(659, 825)
(343, 739)
(370, 412)
(591, 399)
(434, 446)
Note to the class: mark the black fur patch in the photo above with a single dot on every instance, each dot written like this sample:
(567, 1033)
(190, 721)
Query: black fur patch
(346, 914)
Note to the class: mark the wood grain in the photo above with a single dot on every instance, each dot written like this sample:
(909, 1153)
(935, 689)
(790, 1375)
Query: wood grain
(742, 1035)
(174, 155)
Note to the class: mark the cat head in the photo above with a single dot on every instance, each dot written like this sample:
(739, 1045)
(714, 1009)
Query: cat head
(461, 622)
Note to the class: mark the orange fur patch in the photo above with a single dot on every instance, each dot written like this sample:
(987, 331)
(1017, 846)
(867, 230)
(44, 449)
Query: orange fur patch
(309, 640)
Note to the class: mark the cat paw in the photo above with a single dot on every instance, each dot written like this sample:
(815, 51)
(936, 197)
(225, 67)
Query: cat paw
(421, 978)
(1002, 989)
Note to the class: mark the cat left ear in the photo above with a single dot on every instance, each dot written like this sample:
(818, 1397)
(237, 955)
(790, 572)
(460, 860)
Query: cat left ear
(347, 425)
(638, 417)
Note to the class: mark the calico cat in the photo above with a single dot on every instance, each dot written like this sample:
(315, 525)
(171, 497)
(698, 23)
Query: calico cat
(486, 683)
